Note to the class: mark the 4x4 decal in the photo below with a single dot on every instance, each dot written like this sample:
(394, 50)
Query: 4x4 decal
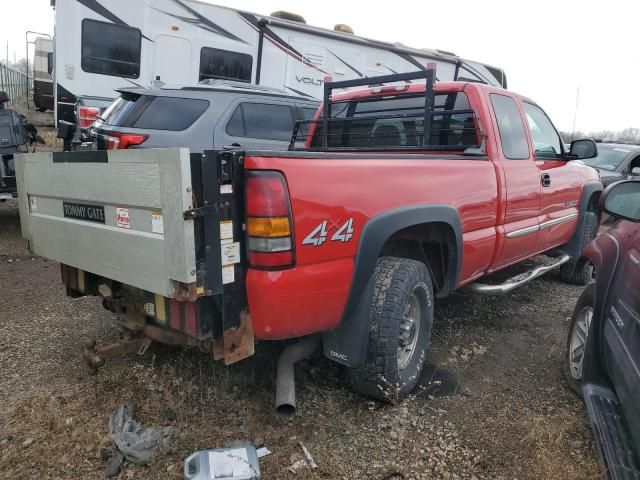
(319, 235)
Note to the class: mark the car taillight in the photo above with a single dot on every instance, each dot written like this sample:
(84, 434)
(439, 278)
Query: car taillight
(87, 115)
(120, 141)
(269, 227)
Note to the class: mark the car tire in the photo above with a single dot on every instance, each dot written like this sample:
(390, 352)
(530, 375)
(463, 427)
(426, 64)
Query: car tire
(400, 322)
(580, 271)
(42, 109)
(573, 361)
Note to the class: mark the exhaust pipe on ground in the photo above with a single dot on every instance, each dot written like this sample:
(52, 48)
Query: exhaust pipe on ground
(285, 380)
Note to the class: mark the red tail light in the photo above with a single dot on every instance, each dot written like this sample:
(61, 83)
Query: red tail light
(269, 225)
(120, 141)
(87, 115)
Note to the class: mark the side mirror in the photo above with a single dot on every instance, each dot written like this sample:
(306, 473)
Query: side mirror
(635, 172)
(583, 149)
(622, 200)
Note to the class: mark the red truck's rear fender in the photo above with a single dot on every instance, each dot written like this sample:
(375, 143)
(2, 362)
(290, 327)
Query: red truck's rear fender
(296, 302)
(347, 344)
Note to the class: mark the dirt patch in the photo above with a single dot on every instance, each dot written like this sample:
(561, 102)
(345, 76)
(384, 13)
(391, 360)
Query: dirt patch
(491, 403)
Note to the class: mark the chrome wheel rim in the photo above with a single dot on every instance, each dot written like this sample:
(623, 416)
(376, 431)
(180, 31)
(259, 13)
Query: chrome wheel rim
(578, 342)
(409, 331)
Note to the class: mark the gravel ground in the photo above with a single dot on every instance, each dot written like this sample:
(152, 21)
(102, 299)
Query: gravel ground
(492, 401)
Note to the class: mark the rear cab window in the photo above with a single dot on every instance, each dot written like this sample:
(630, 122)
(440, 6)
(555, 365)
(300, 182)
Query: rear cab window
(154, 112)
(261, 120)
(398, 121)
(110, 49)
(513, 137)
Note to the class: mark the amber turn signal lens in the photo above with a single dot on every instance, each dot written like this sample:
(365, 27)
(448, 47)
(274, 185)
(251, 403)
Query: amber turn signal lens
(268, 227)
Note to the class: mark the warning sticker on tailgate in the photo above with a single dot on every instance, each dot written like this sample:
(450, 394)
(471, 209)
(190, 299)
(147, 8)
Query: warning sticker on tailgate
(123, 217)
(230, 253)
(157, 221)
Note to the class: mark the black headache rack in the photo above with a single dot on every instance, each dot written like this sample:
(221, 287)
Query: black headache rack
(435, 130)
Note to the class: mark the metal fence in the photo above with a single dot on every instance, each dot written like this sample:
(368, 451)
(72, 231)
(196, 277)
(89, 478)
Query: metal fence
(15, 83)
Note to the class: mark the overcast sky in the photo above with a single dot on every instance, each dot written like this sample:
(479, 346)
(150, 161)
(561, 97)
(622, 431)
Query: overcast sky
(548, 48)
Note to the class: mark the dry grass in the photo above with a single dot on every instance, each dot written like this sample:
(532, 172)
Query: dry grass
(49, 135)
(557, 451)
(515, 418)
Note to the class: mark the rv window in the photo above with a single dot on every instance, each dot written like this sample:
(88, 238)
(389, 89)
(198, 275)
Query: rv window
(110, 49)
(216, 63)
(50, 62)
(155, 113)
(259, 120)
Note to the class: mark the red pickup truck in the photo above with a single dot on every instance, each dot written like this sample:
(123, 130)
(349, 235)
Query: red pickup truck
(403, 192)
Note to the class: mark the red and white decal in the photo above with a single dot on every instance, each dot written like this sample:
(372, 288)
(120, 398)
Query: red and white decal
(123, 217)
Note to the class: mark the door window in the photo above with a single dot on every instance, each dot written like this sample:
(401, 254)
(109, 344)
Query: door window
(223, 64)
(510, 126)
(110, 49)
(546, 141)
(261, 120)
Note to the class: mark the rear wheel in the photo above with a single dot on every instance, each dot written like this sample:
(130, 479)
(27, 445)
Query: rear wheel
(580, 270)
(401, 316)
(577, 339)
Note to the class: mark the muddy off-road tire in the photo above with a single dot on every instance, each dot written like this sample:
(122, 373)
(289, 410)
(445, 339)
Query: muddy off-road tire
(400, 321)
(580, 270)
(577, 339)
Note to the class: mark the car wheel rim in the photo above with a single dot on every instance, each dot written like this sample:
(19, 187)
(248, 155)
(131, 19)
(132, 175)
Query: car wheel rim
(409, 331)
(578, 342)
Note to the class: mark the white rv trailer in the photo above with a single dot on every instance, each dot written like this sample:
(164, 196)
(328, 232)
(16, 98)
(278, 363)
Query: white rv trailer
(101, 45)
(42, 69)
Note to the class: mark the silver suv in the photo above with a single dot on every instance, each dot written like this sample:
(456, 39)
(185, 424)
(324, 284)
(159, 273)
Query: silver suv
(212, 115)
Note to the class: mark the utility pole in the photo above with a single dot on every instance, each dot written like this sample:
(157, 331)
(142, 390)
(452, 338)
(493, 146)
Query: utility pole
(575, 115)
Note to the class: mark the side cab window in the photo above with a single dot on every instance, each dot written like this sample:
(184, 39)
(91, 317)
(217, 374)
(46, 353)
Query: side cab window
(546, 141)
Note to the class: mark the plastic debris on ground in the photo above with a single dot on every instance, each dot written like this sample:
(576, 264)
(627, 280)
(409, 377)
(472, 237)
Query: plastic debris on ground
(239, 462)
(308, 462)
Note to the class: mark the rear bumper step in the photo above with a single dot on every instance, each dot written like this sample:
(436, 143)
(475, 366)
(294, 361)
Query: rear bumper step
(614, 441)
(514, 282)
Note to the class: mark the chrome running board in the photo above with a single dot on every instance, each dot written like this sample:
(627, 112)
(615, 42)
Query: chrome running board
(518, 280)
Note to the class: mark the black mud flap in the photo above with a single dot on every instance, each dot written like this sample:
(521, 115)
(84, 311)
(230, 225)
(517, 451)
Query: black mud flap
(348, 343)
(614, 441)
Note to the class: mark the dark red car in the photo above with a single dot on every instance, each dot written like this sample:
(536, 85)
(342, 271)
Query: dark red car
(603, 347)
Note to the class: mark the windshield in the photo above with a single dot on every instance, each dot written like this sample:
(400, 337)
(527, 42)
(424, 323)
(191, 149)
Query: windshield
(608, 158)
